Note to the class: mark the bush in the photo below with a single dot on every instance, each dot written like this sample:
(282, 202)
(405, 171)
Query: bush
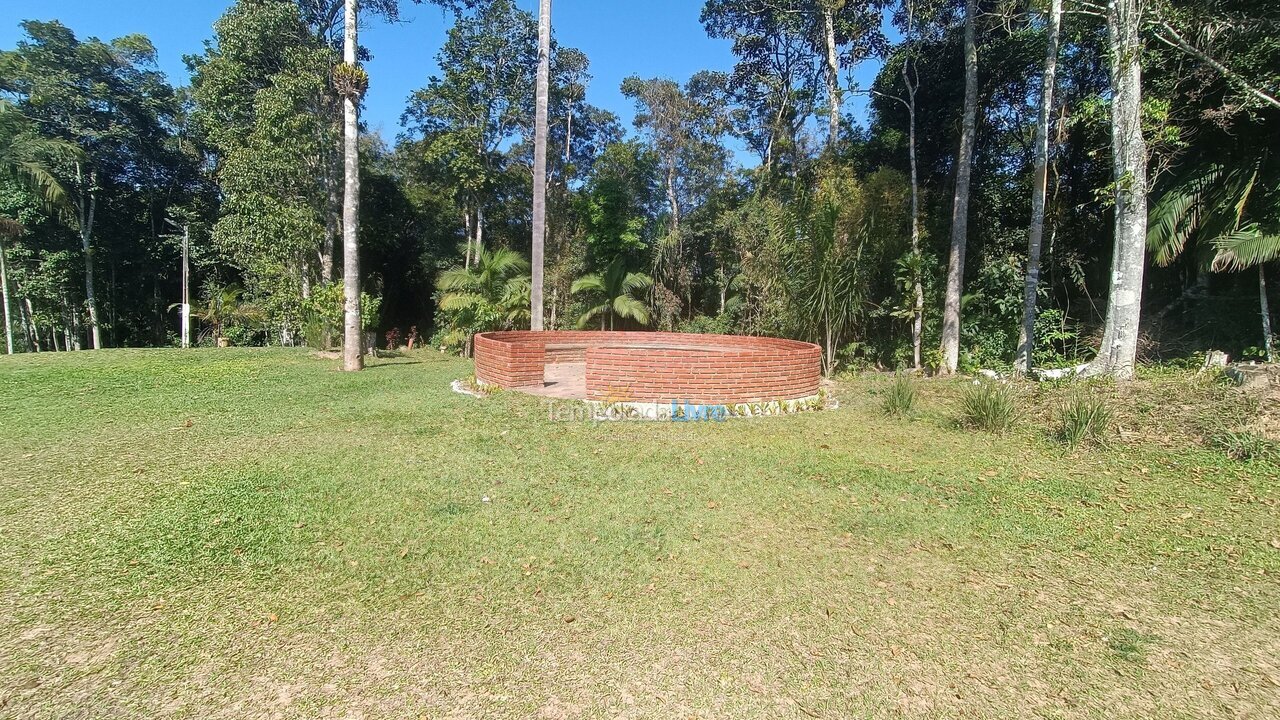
(1245, 446)
(990, 407)
(1083, 418)
(900, 397)
(721, 324)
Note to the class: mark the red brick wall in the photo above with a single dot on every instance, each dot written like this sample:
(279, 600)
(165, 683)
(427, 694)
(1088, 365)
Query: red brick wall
(508, 364)
(644, 366)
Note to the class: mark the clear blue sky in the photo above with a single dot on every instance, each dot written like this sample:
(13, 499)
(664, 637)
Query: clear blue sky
(648, 38)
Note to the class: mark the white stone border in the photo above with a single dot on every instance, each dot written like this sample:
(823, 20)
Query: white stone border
(602, 410)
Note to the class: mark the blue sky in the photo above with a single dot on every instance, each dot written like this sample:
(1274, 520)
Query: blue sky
(621, 38)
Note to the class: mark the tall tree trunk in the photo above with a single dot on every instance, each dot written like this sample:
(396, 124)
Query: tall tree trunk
(31, 320)
(672, 199)
(353, 338)
(332, 222)
(466, 230)
(1265, 307)
(917, 316)
(478, 246)
(4, 290)
(834, 96)
(540, 165)
(960, 206)
(88, 208)
(1039, 189)
(1118, 352)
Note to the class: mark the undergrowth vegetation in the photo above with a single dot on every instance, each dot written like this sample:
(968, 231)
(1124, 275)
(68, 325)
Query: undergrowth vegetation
(988, 406)
(900, 397)
(1084, 417)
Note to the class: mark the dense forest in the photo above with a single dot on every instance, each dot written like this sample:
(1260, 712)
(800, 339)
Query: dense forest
(1050, 171)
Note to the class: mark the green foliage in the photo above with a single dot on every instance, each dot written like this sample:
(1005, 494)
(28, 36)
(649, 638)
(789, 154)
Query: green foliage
(616, 294)
(1058, 342)
(618, 203)
(90, 124)
(992, 315)
(492, 294)
(723, 324)
(1084, 417)
(1247, 446)
(228, 315)
(264, 101)
(990, 407)
(900, 397)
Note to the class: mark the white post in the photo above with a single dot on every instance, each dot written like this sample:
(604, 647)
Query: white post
(186, 286)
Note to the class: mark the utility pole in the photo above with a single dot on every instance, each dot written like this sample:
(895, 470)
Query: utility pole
(185, 309)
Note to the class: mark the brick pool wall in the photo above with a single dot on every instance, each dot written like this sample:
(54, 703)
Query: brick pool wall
(657, 367)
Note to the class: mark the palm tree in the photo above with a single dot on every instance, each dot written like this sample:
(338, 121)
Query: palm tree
(620, 293)
(1217, 206)
(225, 306)
(352, 82)
(492, 294)
(540, 163)
(27, 157)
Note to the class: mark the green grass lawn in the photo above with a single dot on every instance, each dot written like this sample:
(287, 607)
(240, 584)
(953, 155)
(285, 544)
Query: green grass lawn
(250, 533)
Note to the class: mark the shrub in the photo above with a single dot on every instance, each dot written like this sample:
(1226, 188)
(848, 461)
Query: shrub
(990, 407)
(900, 397)
(1245, 446)
(1083, 418)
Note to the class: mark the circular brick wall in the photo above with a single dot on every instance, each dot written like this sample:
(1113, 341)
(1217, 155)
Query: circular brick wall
(656, 367)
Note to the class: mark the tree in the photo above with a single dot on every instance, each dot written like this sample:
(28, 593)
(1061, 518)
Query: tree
(831, 238)
(775, 82)
(1118, 352)
(1231, 210)
(109, 100)
(540, 162)
(491, 294)
(911, 87)
(483, 102)
(684, 126)
(1039, 189)
(29, 159)
(262, 94)
(352, 82)
(617, 290)
(960, 207)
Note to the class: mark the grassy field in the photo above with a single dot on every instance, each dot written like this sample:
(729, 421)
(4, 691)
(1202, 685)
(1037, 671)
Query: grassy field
(249, 533)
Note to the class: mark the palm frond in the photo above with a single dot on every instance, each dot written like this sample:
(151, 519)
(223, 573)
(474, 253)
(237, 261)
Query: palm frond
(1175, 217)
(591, 314)
(1245, 248)
(456, 279)
(635, 282)
(587, 283)
(625, 306)
(455, 301)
